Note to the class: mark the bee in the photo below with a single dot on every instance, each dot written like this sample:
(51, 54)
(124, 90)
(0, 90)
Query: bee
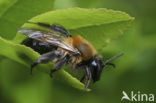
(60, 47)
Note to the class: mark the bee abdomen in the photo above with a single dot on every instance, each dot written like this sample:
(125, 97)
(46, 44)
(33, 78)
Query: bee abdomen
(38, 46)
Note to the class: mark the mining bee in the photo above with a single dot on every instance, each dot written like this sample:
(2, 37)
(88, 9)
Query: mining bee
(59, 46)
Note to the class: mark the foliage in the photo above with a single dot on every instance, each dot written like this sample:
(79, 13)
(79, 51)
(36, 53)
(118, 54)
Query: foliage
(100, 26)
(92, 20)
(13, 13)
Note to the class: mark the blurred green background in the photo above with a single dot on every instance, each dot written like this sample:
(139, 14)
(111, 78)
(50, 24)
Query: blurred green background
(136, 70)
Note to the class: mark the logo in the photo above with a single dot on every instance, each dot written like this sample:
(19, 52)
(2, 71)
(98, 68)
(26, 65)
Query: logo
(141, 97)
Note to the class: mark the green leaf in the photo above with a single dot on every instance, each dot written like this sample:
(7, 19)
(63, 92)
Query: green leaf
(26, 56)
(98, 26)
(13, 13)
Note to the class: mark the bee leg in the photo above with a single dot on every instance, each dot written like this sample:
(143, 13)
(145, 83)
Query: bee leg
(45, 58)
(88, 77)
(59, 64)
(55, 27)
(111, 64)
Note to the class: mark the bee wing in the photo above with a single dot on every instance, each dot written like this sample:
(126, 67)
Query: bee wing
(48, 37)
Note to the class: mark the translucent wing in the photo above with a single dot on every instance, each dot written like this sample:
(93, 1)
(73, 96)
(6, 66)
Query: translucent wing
(48, 37)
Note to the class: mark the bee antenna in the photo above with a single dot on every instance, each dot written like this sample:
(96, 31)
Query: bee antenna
(117, 56)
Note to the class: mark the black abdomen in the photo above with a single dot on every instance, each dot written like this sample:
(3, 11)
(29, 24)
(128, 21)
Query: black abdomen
(38, 46)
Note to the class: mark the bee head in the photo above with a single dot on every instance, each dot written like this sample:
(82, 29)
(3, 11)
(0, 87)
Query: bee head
(96, 68)
(97, 65)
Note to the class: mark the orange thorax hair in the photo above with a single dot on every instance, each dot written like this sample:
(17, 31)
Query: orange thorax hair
(86, 49)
